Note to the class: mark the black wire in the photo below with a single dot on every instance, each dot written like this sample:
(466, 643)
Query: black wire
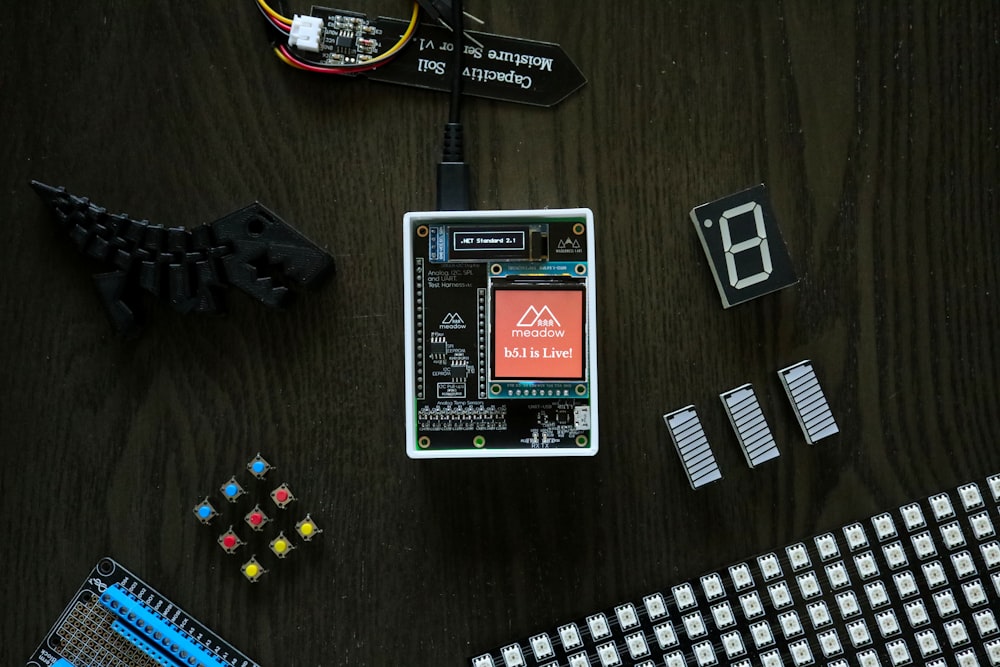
(458, 30)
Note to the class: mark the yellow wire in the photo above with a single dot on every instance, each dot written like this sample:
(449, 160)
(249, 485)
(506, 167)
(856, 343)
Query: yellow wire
(273, 14)
(403, 41)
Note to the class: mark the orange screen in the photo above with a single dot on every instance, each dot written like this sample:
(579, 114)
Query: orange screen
(538, 334)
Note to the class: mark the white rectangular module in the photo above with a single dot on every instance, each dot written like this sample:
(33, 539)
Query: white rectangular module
(692, 446)
(808, 401)
(743, 410)
(500, 322)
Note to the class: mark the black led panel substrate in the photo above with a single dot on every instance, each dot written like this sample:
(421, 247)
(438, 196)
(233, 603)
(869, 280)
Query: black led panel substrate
(745, 251)
(916, 586)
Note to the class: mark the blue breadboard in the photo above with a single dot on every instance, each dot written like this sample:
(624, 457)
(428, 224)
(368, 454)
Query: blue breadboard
(118, 620)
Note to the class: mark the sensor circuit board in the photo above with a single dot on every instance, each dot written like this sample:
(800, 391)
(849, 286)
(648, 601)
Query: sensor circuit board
(500, 336)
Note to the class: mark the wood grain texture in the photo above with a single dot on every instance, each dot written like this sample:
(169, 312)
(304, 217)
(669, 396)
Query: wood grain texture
(875, 126)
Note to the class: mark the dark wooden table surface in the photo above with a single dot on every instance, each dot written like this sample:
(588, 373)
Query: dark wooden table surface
(876, 128)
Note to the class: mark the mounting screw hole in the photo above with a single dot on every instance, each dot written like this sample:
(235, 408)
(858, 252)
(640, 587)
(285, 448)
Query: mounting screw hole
(423, 442)
(479, 441)
(581, 269)
(423, 231)
(255, 226)
(579, 229)
(581, 389)
(581, 441)
(105, 567)
(495, 268)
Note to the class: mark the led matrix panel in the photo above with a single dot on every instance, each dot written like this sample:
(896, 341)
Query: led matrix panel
(118, 620)
(919, 585)
(501, 345)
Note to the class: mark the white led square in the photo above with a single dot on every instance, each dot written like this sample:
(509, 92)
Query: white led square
(913, 517)
(608, 655)
(837, 575)
(684, 596)
(982, 526)
(986, 623)
(996, 581)
(957, 634)
(512, 656)
(939, 662)
(894, 554)
(583, 660)
(665, 635)
(712, 585)
(971, 497)
(848, 604)
(791, 626)
(963, 564)
(675, 659)
(855, 536)
(858, 631)
(771, 659)
(801, 655)
(694, 625)
(934, 574)
(722, 614)
(829, 643)
(541, 646)
(952, 535)
(899, 654)
(868, 659)
(761, 633)
(941, 506)
(966, 658)
(827, 547)
(927, 642)
(732, 643)
(637, 646)
(644, 663)
(866, 565)
(780, 597)
(923, 544)
(916, 613)
(838, 663)
(994, 482)
(993, 648)
(906, 585)
(877, 595)
(798, 557)
(752, 608)
(945, 603)
(888, 624)
(769, 566)
(974, 593)
(598, 624)
(655, 607)
(569, 635)
(740, 574)
(741, 663)
(704, 654)
(483, 661)
(884, 527)
(808, 585)
(627, 618)
(819, 614)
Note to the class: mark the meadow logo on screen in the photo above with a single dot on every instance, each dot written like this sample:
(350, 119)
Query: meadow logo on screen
(538, 323)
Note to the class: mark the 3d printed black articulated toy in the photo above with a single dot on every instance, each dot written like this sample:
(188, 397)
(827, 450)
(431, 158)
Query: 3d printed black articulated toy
(251, 249)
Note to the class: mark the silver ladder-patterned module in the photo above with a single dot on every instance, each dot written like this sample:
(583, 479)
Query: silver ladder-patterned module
(747, 419)
(691, 443)
(917, 586)
(808, 401)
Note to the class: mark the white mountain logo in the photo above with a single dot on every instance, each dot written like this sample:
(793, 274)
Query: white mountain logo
(535, 317)
(452, 318)
(568, 243)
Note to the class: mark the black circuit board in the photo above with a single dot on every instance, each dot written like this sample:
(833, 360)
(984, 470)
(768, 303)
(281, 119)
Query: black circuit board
(349, 38)
(118, 620)
(501, 335)
(917, 585)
